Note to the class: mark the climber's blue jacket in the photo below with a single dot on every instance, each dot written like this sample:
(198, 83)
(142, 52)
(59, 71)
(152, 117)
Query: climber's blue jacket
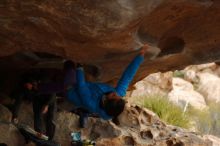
(88, 95)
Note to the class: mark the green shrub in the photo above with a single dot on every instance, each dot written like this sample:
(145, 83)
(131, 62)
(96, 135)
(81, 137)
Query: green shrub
(178, 73)
(167, 111)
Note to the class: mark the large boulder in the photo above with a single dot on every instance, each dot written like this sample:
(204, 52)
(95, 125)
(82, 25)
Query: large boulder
(106, 35)
(178, 90)
(209, 86)
(154, 84)
(191, 72)
(142, 127)
(138, 126)
(183, 93)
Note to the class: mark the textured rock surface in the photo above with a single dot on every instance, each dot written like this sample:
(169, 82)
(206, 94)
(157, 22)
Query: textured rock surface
(8, 132)
(102, 33)
(139, 127)
(10, 135)
(5, 114)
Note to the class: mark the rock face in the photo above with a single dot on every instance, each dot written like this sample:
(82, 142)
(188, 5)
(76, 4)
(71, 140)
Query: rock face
(102, 33)
(8, 132)
(10, 135)
(5, 115)
(138, 126)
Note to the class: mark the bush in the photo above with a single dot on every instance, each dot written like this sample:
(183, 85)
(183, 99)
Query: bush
(167, 111)
(179, 74)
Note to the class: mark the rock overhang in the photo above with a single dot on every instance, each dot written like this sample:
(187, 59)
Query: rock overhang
(106, 35)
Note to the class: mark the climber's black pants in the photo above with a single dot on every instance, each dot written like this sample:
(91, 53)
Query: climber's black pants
(38, 103)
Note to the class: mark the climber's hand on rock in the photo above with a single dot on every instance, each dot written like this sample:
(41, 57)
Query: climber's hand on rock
(143, 49)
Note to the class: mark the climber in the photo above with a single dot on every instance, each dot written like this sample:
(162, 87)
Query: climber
(101, 98)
